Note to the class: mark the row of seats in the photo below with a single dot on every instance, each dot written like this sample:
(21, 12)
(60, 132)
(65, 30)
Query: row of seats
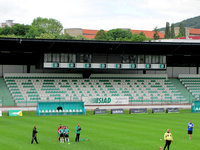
(149, 89)
(191, 83)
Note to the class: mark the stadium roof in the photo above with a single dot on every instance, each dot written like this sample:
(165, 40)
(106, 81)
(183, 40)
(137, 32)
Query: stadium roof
(20, 45)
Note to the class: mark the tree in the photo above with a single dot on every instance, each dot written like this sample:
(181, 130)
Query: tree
(20, 29)
(101, 35)
(167, 31)
(33, 32)
(45, 36)
(45, 25)
(139, 37)
(115, 34)
(65, 36)
(156, 35)
(80, 37)
(172, 34)
(181, 29)
(6, 31)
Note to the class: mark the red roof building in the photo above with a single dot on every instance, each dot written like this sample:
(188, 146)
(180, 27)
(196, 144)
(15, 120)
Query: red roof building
(90, 34)
(194, 31)
(149, 34)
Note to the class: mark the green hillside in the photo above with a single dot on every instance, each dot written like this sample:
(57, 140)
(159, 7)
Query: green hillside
(191, 22)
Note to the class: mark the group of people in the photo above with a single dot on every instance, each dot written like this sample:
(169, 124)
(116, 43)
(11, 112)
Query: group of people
(168, 136)
(63, 134)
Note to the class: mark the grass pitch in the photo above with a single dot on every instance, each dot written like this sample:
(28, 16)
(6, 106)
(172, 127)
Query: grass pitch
(105, 132)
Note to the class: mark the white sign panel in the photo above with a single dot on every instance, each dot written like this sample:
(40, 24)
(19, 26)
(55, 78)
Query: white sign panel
(141, 66)
(48, 65)
(64, 65)
(105, 100)
(126, 66)
(94, 65)
(0, 113)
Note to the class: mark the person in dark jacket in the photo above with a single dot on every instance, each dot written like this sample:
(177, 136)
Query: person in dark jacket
(34, 135)
(78, 131)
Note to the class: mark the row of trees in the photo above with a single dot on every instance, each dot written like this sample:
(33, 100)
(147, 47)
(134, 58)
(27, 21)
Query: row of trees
(170, 32)
(40, 28)
(120, 35)
(45, 28)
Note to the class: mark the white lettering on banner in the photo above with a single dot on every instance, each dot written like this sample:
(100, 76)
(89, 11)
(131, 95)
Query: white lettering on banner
(105, 100)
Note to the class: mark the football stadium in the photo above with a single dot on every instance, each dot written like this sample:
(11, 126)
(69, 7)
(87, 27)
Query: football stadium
(124, 95)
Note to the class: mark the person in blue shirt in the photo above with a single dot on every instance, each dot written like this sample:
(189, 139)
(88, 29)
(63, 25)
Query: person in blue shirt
(78, 131)
(190, 129)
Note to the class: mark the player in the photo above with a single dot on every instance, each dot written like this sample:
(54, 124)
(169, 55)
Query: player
(66, 134)
(78, 131)
(34, 137)
(168, 139)
(61, 132)
(60, 127)
(190, 129)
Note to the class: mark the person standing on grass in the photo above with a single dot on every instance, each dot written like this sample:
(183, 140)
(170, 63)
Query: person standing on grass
(60, 127)
(61, 131)
(66, 134)
(78, 131)
(34, 136)
(168, 139)
(190, 129)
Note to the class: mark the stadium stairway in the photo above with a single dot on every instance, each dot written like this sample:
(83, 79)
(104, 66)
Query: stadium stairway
(182, 89)
(5, 95)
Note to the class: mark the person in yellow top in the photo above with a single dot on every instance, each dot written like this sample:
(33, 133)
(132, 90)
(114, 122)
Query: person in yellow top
(168, 139)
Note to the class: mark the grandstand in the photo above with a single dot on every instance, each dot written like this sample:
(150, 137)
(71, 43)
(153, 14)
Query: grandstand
(59, 70)
(28, 89)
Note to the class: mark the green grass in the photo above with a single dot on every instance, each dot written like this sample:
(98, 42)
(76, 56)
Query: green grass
(105, 132)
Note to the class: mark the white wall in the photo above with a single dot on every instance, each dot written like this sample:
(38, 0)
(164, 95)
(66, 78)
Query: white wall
(12, 69)
(175, 71)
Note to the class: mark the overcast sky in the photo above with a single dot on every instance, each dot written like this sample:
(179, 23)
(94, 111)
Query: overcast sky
(101, 14)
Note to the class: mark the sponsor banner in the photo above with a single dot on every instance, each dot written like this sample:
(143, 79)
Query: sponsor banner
(15, 113)
(0, 113)
(117, 111)
(138, 110)
(105, 100)
(100, 111)
(172, 110)
(158, 110)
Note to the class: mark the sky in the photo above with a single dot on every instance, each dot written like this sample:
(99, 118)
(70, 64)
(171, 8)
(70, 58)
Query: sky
(101, 14)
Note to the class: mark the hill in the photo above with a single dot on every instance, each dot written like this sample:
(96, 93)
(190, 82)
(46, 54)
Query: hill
(191, 22)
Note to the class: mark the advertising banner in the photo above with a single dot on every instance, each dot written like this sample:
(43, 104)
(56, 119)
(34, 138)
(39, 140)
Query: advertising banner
(15, 113)
(105, 100)
(172, 110)
(117, 111)
(138, 110)
(0, 113)
(100, 111)
(158, 110)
